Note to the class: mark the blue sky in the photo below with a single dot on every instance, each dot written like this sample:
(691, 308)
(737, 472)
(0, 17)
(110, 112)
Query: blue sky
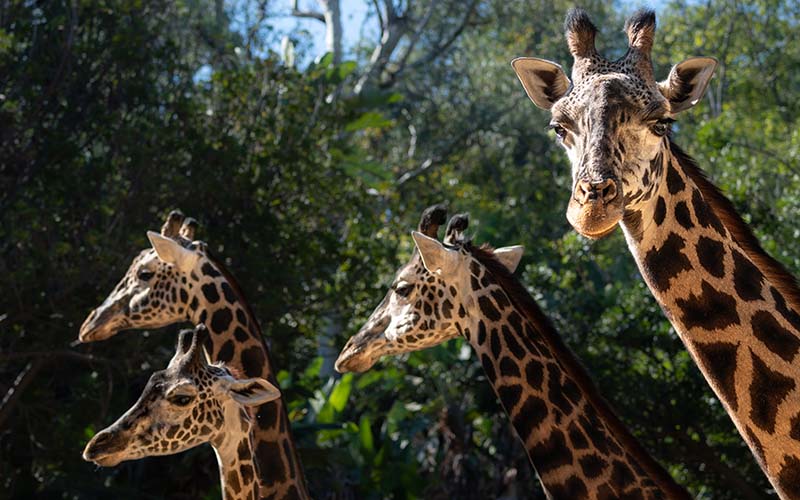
(357, 23)
(354, 13)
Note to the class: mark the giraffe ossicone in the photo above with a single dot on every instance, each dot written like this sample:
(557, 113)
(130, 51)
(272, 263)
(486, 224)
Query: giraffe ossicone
(176, 280)
(576, 443)
(190, 403)
(735, 307)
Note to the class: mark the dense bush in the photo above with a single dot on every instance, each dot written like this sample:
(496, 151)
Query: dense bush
(114, 112)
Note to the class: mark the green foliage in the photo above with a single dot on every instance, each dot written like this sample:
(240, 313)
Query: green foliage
(309, 193)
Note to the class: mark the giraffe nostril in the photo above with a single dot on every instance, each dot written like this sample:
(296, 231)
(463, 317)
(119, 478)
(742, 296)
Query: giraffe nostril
(609, 192)
(603, 191)
(102, 441)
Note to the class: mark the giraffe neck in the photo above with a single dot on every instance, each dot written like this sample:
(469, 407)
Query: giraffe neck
(237, 471)
(579, 448)
(235, 339)
(732, 306)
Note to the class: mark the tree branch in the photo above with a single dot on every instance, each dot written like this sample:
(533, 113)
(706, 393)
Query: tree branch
(441, 48)
(23, 380)
(296, 12)
(432, 160)
(380, 16)
(28, 374)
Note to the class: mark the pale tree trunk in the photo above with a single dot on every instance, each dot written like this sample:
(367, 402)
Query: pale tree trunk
(331, 17)
(333, 28)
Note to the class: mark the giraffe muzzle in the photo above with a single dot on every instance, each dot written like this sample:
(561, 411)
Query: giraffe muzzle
(104, 448)
(596, 207)
(354, 358)
(102, 323)
(363, 349)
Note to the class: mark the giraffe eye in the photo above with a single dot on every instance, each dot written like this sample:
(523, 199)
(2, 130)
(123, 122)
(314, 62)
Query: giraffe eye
(404, 289)
(182, 400)
(560, 131)
(661, 127)
(145, 274)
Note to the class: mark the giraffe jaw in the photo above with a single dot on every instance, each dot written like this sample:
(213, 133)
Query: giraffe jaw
(595, 220)
(103, 461)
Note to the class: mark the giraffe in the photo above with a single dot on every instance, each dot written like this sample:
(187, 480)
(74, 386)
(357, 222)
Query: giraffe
(578, 446)
(179, 280)
(736, 309)
(190, 403)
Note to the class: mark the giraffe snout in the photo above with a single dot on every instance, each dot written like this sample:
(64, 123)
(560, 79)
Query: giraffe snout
(358, 355)
(103, 448)
(102, 322)
(595, 207)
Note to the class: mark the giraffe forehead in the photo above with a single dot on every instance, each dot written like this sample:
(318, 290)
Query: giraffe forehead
(146, 257)
(183, 384)
(609, 93)
(413, 271)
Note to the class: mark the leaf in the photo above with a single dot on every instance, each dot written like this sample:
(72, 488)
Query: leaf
(325, 60)
(336, 400)
(346, 69)
(371, 119)
(365, 435)
(341, 392)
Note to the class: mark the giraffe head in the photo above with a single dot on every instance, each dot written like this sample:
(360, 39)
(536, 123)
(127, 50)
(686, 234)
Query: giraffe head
(156, 289)
(189, 403)
(612, 118)
(427, 301)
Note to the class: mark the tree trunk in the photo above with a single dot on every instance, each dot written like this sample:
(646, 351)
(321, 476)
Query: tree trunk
(333, 28)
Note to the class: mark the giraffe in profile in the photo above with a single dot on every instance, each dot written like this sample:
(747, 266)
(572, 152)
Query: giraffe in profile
(735, 307)
(578, 446)
(179, 280)
(185, 405)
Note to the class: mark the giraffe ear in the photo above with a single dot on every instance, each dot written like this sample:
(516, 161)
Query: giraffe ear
(544, 81)
(171, 252)
(509, 256)
(687, 82)
(253, 391)
(435, 257)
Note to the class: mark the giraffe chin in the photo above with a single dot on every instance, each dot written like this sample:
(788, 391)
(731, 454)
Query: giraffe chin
(353, 362)
(595, 220)
(105, 461)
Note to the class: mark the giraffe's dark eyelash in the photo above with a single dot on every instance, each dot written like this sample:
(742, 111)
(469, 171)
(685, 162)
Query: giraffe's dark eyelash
(559, 129)
(404, 289)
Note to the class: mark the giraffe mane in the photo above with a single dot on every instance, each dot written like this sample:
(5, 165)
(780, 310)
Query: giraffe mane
(525, 303)
(251, 317)
(773, 270)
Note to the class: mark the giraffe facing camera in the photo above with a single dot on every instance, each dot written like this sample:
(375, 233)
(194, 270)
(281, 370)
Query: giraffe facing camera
(734, 306)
